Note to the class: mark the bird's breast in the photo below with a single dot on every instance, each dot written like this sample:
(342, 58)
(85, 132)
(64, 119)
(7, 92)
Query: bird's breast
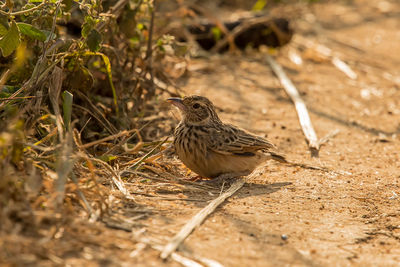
(190, 146)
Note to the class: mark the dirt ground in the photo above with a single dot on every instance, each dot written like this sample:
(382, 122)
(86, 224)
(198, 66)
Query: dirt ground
(330, 220)
(287, 216)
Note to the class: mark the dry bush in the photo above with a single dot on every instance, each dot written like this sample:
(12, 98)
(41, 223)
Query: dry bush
(73, 73)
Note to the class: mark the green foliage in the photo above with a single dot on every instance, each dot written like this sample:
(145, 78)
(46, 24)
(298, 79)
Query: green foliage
(217, 33)
(31, 31)
(88, 26)
(66, 65)
(93, 40)
(11, 40)
(259, 5)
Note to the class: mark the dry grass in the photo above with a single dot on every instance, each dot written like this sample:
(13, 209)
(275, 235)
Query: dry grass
(66, 154)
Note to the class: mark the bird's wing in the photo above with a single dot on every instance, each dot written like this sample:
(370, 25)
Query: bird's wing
(230, 140)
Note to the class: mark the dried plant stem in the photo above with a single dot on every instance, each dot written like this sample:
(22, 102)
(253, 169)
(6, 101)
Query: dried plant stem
(115, 11)
(301, 108)
(115, 178)
(185, 260)
(108, 138)
(326, 138)
(327, 52)
(178, 258)
(137, 164)
(198, 219)
(21, 12)
(83, 198)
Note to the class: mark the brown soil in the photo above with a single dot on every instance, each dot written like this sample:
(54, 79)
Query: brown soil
(351, 219)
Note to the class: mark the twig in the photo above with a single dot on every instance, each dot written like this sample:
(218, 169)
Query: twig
(17, 13)
(95, 115)
(115, 10)
(149, 41)
(326, 138)
(198, 219)
(169, 198)
(301, 108)
(230, 36)
(116, 179)
(342, 66)
(108, 138)
(179, 258)
(64, 166)
(136, 165)
(92, 214)
(54, 95)
(184, 260)
(149, 51)
(52, 31)
(4, 77)
(327, 52)
(124, 141)
(197, 187)
(17, 97)
(108, 125)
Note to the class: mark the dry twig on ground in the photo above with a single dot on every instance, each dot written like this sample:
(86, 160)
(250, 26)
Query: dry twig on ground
(198, 219)
(327, 53)
(301, 108)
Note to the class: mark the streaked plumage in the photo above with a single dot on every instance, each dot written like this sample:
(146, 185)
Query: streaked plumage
(210, 147)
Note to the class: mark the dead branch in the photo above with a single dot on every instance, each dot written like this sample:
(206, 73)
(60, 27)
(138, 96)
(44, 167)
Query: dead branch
(230, 36)
(108, 138)
(327, 53)
(195, 221)
(115, 178)
(185, 260)
(301, 108)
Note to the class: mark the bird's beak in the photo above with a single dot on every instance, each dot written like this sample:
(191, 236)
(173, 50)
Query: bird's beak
(177, 102)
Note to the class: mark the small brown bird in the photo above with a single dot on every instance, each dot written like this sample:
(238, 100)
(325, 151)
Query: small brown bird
(212, 148)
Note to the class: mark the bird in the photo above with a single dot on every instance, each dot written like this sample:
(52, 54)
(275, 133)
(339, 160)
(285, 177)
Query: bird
(211, 148)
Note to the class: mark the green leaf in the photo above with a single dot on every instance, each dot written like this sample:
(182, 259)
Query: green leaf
(107, 64)
(3, 25)
(10, 41)
(216, 33)
(31, 31)
(94, 40)
(87, 26)
(107, 158)
(35, 1)
(3, 30)
(67, 109)
(140, 26)
(259, 5)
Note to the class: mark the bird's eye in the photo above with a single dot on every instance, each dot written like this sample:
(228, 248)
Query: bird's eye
(196, 105)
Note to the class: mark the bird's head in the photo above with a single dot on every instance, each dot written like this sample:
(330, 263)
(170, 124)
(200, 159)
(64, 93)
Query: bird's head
(196, 110)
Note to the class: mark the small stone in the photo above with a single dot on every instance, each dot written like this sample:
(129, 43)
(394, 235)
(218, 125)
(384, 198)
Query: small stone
(284, 237)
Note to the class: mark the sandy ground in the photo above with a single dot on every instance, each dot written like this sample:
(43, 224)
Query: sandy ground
(330, 220)
(287, 216)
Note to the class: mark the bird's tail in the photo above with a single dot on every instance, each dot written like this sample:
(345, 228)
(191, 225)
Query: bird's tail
(282, 159)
